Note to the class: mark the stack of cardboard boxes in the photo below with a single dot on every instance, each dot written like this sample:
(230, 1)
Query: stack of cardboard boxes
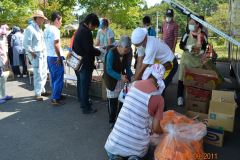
(199, 85)
(213, 107)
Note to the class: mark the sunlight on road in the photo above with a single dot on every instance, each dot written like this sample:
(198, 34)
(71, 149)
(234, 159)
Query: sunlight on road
(6, 114)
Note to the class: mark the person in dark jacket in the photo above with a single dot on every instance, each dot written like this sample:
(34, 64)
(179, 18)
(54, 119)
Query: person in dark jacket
(83, 46)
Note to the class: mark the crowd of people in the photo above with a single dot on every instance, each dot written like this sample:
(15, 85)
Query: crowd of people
(156, 65)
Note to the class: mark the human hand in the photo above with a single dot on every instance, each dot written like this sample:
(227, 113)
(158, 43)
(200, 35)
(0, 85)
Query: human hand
(195, 49)
(33, 55)
(59, 61)
(124, 78)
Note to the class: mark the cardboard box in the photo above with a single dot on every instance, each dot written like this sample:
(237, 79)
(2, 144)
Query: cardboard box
(98, 88)
(214, 136)
(201, 117)
(200, 78)
(197, 106)
(222, 110)
(198, 94)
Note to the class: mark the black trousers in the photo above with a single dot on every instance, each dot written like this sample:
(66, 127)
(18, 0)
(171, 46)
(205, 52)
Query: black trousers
(180, 90)
(113, 109)
(169, 78)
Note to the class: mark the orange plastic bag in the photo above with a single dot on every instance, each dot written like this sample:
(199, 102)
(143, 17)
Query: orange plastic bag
(182, 140)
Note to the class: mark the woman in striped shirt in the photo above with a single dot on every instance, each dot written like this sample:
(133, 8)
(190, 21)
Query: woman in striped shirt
(130, 136)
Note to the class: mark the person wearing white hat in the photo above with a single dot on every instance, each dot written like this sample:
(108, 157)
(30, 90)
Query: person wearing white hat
(35, 48)
(152, 50)
(141, 113)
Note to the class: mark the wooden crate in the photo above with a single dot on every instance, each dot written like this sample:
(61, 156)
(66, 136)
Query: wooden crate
(98, 89)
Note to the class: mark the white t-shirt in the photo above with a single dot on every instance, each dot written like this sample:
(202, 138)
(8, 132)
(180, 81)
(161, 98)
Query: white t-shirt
(157, 50)
(51, 34)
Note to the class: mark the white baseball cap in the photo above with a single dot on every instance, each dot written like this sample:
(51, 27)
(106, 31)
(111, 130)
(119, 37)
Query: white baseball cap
(138, 35)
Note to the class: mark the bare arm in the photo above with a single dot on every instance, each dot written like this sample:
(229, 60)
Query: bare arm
(57, 47)
(140, 68)
(97, 43)
(57, 50)
(156, 128)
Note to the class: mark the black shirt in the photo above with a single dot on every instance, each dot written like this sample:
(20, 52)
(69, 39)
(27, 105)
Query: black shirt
(83, 45)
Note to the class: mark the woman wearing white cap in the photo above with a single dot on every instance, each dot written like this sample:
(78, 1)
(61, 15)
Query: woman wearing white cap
(152, 50)
(130, 136)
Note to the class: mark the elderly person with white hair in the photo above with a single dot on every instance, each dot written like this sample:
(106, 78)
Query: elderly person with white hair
(130, 136)
(117, 71)
(152, 50)
(3, 63)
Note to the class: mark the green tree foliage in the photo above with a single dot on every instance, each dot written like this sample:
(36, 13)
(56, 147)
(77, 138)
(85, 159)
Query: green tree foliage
(200, 7)
(125, 13)
(219, 19)
(65, 7)
(16, 12)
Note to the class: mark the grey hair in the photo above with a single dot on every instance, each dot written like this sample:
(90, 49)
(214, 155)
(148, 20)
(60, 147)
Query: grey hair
(124, 41)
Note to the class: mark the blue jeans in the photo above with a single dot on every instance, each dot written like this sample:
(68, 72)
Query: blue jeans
(84, 77)
(56, 73)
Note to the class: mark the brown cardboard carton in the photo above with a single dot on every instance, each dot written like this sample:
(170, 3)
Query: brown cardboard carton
(198, 94)
(98, 88)
(222, 110)
(214, 137)
(201, 117)
(197, 106)
(201, 78)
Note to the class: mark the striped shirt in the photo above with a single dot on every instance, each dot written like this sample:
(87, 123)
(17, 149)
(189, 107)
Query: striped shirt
(170, 33)
(130, 135)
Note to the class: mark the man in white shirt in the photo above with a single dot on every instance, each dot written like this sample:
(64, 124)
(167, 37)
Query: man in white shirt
(54, 57)
(150, 51)
(35, 48)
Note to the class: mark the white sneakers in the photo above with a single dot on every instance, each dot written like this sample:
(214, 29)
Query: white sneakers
(180, 101)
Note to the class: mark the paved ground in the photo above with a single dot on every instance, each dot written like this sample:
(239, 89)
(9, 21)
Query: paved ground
(31, 130)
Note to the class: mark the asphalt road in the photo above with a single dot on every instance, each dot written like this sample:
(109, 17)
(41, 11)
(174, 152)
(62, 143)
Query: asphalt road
(31, 130)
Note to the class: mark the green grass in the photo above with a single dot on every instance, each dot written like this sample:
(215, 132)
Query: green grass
(65, 42)
(221, 50)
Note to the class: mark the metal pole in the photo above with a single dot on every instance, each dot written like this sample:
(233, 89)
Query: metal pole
(157, 26)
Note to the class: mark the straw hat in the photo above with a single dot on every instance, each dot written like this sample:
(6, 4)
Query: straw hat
(38, 13)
